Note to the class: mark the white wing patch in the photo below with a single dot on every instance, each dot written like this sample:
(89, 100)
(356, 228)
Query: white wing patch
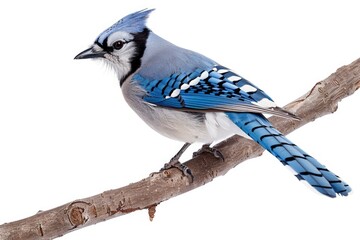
(222, 71)
(248, 88)
(265, 103)
(234, 78)
(256, 102)
(194, 81)
(184, 86)
(175, 93)
(204, 75)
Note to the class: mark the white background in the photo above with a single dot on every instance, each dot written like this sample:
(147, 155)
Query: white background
(66, 132)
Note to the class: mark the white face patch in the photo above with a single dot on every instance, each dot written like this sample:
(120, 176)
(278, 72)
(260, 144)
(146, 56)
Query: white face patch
(120, 59)
(96, 48)
(116, 36)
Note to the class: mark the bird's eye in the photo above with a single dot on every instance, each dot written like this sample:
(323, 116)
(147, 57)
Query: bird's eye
(118, 45)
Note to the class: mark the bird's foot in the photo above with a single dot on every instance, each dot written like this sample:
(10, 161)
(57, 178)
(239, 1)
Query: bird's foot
(206, 148)
(174, 163)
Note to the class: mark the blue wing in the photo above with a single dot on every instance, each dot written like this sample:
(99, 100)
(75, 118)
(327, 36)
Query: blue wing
(216, 89)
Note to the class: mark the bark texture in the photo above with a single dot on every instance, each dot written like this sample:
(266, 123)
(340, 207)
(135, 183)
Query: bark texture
(147, 193)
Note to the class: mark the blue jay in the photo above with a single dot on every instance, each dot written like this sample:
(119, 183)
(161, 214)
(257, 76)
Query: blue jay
(188, 97)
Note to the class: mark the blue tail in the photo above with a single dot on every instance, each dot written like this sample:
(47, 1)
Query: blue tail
(306, 167)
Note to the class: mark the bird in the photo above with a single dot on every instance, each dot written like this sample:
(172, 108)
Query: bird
(189, 97)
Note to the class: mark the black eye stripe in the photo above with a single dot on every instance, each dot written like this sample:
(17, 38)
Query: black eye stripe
(110, 48)
(104, 45)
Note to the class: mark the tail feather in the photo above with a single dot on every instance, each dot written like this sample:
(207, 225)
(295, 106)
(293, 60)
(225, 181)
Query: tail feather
(306, 167)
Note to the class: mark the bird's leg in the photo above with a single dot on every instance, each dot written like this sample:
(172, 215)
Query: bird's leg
(174, 162)
(206, 148)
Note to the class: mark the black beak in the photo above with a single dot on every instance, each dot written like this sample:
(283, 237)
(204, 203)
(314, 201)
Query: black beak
(90, 53)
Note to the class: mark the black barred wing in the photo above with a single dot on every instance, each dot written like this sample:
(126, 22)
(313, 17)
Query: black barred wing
(216, 89)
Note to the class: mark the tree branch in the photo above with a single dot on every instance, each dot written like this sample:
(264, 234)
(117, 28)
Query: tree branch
(322, 99)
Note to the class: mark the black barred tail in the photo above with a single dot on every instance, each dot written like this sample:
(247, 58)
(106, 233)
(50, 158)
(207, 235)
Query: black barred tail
(306, 167)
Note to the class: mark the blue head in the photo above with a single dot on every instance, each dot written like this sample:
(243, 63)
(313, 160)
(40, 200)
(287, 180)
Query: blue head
(132, 23)
(122, 45)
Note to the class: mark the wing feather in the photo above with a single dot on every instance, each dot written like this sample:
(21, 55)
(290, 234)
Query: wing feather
(216, 89)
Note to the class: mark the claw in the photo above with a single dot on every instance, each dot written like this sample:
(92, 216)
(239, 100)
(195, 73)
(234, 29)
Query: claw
(184, 169)
(174, 163)
(206, 148)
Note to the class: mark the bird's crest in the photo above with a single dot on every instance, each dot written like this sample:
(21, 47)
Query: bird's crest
(132, 23)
